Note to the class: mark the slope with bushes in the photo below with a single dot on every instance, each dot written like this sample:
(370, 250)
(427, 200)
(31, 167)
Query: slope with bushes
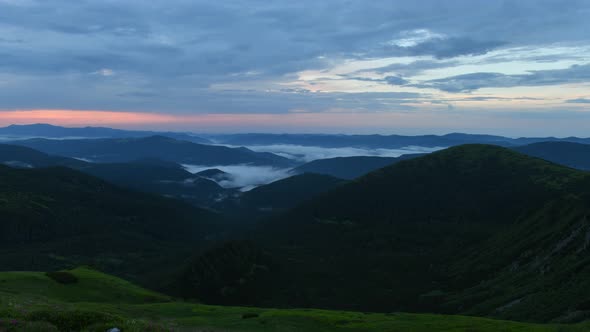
(31, 301)
(58, 217)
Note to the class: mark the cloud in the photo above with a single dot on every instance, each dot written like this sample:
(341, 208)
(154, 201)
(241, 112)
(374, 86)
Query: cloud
(579, 101)
(105, 72)
(247, 177)
(391, 80)
(395, 80)
(424, 42)
(469, 82)
(244, 176)
(196, 101)
(475, 81)
(310, 153)
(413, 68)
(180, 56)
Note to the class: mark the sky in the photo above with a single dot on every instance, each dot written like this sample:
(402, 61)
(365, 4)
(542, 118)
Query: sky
(515, 68)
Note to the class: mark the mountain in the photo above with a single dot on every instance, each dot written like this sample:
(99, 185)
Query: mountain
(41, 130)
(570, 154)
(474, 229)
(288, 192)
(359, 141)
(159, 147)
(147, 175)
(381, 141)
(24, 157)
(54, 218)
(155, 178)
(212, 172)
(350, 167)
(215, 174)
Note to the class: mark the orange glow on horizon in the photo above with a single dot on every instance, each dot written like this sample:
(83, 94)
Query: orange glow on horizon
(135, 119)
(82, 117)
(333, 120)
(295, 120)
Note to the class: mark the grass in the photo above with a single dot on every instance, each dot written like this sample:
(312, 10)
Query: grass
(31, 301)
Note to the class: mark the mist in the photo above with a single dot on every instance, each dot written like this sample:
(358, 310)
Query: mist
(309, 153)
(245, 177)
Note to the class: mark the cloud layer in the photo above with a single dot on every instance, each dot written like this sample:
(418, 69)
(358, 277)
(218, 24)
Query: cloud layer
(474, 81)
(310, 153)
(247, 177)
(258, 57)
(244, 176)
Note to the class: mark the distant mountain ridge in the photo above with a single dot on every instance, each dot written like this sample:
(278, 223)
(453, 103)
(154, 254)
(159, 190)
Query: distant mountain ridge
(146, 175)
(575, 155)
(382, 141)
(158, 147)
(42, 130)
(350, 167)
(570, 154)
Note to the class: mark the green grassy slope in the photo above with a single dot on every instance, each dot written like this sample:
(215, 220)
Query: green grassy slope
(98, 301)
(537, 270)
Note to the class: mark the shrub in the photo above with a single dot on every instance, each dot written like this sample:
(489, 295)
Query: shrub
(15, 325)
(250, 315)
(127, 326)
(75, 320)
(63, 277)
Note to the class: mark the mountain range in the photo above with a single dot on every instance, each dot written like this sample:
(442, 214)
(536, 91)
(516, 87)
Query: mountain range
(253, 139)
(570, 154)
(474, 229)
(381, 141)
(147, 175)
(42, 130)
(575, 155)
(158, 147)
(350, 167)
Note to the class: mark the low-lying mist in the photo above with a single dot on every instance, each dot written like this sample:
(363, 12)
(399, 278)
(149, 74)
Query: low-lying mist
(245, 177)
(309, 153)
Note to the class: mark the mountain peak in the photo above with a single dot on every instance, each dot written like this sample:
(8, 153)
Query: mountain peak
(33, 126)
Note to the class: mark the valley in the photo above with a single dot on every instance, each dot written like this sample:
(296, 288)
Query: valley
(476, 229)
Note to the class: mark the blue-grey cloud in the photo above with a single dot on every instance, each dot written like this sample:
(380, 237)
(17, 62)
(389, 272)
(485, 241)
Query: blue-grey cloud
(167, 55)
(412, 68)
(396, 80)
(475, 81)
(579, 101)
(444, 48)
(309, 153)
(245, 177)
